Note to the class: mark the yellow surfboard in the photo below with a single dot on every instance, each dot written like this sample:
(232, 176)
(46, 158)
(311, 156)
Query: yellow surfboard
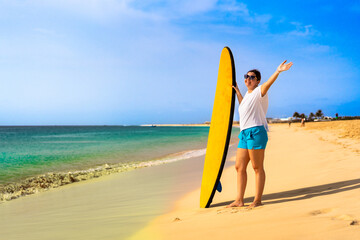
(220, 128)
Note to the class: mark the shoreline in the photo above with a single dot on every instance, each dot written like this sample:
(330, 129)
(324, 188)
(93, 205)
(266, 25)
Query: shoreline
(19, 186)
(52, 180)
(318, 200)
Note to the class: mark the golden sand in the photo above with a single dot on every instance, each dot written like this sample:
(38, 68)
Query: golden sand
(344, 128)
(312, 192)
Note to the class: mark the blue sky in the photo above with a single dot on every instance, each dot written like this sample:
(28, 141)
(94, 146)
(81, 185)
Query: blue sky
(135, 62)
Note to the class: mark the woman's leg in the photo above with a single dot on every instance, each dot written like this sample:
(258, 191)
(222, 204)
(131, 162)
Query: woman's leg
(257, 160)
(242, 160)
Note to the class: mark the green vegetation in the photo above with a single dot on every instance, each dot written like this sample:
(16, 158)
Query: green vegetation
(320, 115)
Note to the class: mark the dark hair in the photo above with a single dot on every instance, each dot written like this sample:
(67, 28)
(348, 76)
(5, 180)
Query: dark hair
(257, 73)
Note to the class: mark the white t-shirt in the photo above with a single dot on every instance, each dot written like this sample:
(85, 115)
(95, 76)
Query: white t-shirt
(253, 108)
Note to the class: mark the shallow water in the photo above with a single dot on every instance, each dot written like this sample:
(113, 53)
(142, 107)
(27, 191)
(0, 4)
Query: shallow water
(29, 151)
(34, 158)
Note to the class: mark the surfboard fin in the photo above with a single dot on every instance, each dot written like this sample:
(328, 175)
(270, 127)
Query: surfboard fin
(219, 187)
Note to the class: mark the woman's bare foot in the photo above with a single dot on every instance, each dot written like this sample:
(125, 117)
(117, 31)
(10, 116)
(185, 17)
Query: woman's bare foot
(254, 205)
(236, 203)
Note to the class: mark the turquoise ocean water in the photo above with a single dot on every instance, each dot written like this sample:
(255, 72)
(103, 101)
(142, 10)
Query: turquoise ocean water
(28, 151)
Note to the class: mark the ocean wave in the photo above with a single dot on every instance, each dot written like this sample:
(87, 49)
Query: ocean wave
(52, 180)
(74, 141)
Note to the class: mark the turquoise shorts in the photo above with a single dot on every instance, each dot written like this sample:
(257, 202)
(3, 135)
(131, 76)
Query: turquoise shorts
(253, 138)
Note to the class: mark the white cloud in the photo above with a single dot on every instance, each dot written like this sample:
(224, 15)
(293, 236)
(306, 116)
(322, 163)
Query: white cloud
(100, 10)
(196, 6)
(104, 10)
(233, 6)
(303, 30)
(241, 10)
(174, 9)
(262, 19)
(233, 30)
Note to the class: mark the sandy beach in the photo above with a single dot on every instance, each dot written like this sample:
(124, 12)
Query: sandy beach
(311, 192)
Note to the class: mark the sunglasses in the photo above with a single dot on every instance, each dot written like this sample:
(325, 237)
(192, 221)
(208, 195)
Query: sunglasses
(250, 77)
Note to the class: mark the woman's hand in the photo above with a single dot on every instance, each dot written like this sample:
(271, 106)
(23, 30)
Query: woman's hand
(236, 88)
(284, 67)
(238, 94)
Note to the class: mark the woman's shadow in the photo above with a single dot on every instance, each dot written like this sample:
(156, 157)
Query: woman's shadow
(303, 193)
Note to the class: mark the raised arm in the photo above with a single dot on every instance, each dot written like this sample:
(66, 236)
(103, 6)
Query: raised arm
(238, 94)
(266, 85)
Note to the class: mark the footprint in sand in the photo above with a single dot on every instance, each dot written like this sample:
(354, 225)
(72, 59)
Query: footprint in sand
(321, 211)
(229, 210)
(224, 210)
(249, 208)
(221, 211)
(346, 217)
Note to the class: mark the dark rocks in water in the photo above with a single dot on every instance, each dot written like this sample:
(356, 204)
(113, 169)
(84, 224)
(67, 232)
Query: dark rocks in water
(48, 181)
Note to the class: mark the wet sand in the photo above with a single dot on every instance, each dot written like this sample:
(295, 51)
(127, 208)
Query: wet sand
(312, 192)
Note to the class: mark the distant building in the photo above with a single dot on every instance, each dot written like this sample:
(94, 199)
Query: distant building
(324, 119)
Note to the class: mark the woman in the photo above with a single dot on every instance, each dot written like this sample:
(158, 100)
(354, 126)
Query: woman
(253, 135)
